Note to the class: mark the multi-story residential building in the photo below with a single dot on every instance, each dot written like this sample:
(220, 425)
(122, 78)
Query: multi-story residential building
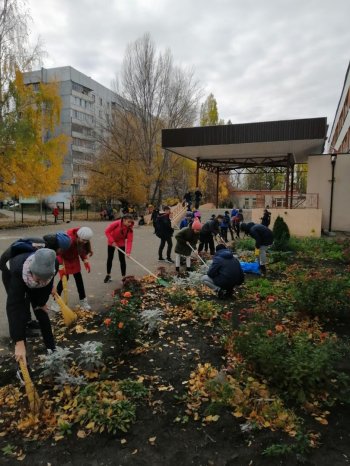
(86, 105)
(339, 138)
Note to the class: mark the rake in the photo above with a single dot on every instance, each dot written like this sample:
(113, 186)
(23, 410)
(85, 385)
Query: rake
(196, 253)
(161, 281)
(32, 394)
(69, 316)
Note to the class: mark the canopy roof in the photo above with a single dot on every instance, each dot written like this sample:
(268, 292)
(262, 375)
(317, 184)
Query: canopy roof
(262, 144)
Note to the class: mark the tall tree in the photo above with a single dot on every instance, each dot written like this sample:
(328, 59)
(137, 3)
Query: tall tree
(31, 165)
(209, 115)
(155, 94)
(15, 53)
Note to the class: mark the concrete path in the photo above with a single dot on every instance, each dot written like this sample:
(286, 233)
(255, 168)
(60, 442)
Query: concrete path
(145, 250)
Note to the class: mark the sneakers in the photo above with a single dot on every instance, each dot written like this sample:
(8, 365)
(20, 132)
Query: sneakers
(161, 259)
(169, 261)
(55, 307)
(83, 303)
(107, 279)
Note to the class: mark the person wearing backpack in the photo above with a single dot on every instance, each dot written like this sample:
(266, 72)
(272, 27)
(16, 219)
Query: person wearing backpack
(119, 234)
(58, 242)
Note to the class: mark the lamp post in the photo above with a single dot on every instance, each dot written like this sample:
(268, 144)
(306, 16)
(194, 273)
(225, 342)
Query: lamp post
(333, 162)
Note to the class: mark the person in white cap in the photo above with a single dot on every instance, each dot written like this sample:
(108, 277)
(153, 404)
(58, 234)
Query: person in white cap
(30, 275)
(69, 260)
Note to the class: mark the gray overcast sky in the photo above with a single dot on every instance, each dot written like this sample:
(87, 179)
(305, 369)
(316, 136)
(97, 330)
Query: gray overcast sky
(262, 59)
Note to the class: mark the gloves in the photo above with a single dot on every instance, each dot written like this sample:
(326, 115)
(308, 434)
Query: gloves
(61, 271)
(87, 266)
(257, 252)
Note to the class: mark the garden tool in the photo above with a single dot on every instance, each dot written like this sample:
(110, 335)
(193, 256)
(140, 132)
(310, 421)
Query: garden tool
(196, 253)
(65, 286)
(32, 394)
(69, 316)
(221, 241)
(161, 281)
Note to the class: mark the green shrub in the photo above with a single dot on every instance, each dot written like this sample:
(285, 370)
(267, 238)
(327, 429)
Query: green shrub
(245, 244)
(123, 322)
(178, 297)
(319, 248)
(297, 366)
(281, 235)
(206, 310)
(103, 406)
(322, 296)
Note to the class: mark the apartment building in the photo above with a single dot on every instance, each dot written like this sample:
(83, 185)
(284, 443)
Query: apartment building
(86, 105)
(339, 138)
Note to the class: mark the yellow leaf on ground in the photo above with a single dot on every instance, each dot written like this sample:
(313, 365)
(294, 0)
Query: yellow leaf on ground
(91, 425)
(152, 440)
(237, 414)
(81, 434)
(322, 420)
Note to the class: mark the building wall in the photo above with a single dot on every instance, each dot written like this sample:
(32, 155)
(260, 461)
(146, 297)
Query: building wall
(319, 181)
(301, 222)
(85, 106)
(339, 139)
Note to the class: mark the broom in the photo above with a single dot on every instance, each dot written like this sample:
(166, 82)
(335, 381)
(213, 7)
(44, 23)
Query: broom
(196, 253)
(65, 286)
(32, 394)
(69, 316)
(161, 281)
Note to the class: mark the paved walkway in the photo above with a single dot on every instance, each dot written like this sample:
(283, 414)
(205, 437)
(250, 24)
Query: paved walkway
(145, 248)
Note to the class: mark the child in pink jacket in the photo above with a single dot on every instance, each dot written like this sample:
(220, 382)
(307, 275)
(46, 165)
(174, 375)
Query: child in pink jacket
(119, 234)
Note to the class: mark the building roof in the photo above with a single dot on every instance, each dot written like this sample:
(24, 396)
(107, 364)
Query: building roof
(265, 144)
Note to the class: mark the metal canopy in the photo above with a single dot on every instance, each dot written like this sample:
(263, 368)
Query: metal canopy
(248, 146)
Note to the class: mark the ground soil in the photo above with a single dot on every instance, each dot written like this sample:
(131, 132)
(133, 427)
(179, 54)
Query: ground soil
(171, 357)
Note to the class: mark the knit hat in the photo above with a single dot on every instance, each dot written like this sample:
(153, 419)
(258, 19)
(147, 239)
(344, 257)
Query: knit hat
(43, 263)
(219, 247)
(63, 240)
(196, 225)
(85, 233)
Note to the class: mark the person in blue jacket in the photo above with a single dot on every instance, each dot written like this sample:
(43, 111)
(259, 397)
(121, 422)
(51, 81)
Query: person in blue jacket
(263, 239)
(224, 273)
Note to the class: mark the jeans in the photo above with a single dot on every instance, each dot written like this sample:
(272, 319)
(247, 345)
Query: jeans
(121, 256)
(169, 241)
(209, 282)
(78, 281)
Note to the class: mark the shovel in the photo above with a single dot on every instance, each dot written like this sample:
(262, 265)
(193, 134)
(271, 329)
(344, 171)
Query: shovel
(161, 281)
(69, 316)
(32, 394)
(196, 253)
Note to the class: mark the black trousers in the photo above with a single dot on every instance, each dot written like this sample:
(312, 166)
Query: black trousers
(78, 281)
(45, 328)
(164, 241)
(121, 256)
(206, 239)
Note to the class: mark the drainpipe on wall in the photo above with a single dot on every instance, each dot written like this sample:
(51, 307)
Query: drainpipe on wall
(333, 162)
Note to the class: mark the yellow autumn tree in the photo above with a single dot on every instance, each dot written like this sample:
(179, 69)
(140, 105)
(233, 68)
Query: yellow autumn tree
(31, 159)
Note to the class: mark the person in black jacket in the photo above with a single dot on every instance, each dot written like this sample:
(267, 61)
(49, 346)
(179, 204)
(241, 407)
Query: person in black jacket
(164, 231)
(263, 238)
(225, 272)
(31, 274)
(58, 242)
(209, 230)
(266, 218)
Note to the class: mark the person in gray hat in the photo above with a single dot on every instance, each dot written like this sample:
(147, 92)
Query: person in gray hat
(31, 274)
(58, 242)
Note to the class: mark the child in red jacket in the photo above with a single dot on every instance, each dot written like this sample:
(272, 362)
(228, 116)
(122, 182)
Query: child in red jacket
(119, 234)
(69, 260)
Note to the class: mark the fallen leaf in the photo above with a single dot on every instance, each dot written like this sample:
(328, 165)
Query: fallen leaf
(81, 434)
(152, 440)
(123, 441)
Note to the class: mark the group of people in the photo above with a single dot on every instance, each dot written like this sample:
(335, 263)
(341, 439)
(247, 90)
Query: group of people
(29, 265)
(189, 197)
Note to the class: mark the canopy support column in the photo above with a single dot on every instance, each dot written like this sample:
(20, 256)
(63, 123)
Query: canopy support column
(291, 186)
(217, 187)
(197, 172)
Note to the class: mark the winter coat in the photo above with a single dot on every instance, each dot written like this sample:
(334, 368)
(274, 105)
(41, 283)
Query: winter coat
(211, 227)
(263, 236)
(183, 236)
(226, 271)
(266, 219)
(117, 232)
(164, 229)
(70, 257)
(225, 222)
(17, 292)
(184, 223)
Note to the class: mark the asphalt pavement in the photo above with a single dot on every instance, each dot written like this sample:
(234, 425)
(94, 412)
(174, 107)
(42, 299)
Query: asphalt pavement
(99, 294)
